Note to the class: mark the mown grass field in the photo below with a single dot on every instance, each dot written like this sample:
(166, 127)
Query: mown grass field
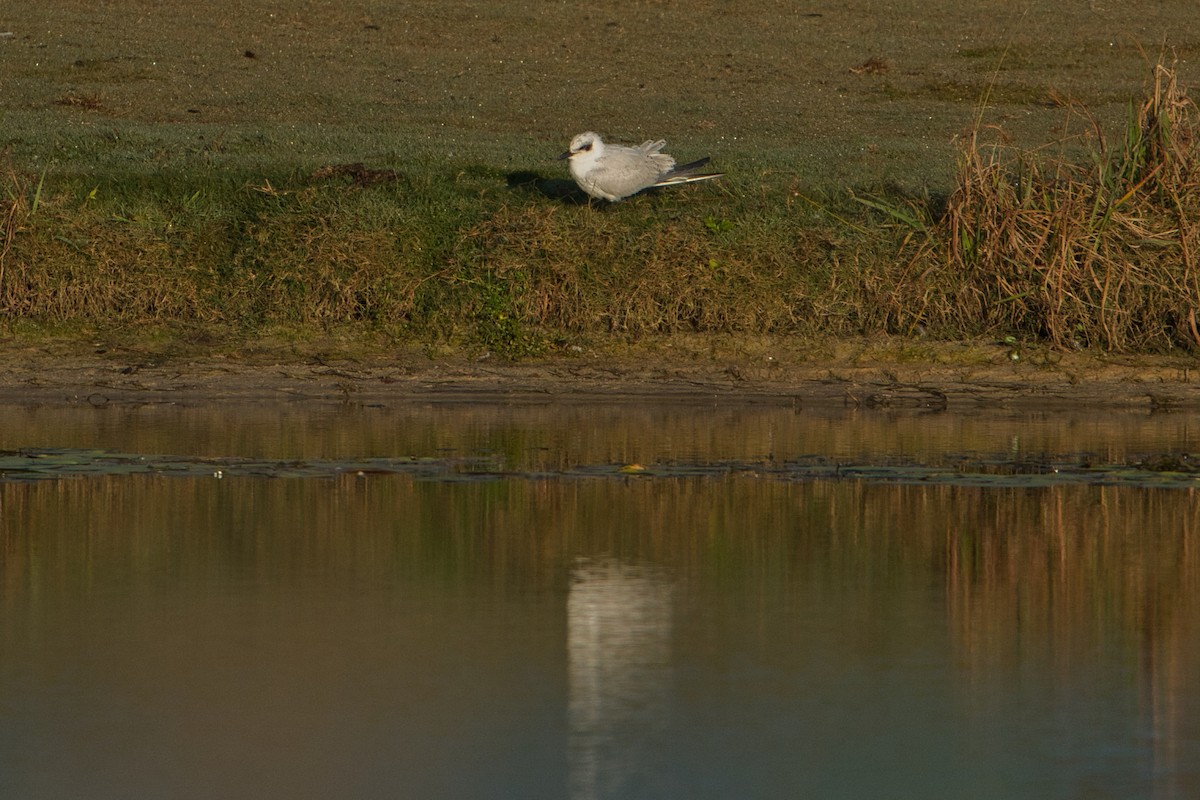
(940, 170)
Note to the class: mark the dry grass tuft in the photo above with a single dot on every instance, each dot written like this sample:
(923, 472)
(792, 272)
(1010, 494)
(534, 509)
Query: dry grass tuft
(15, 210)
(872, 66)
(358, 173)
(87, 102)
(1093, 245)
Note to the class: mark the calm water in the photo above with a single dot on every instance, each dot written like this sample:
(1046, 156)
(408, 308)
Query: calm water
(528, 623)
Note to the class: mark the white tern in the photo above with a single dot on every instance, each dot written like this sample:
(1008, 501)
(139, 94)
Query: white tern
(613, 171)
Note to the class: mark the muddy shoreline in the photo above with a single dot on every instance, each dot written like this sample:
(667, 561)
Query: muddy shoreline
(1065, 381)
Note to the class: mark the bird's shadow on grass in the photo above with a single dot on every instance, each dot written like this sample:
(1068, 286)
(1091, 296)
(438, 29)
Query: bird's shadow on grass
(562, 191)
(558, 189)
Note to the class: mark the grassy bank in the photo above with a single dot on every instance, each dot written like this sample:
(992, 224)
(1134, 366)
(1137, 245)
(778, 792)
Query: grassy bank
(1083, 243)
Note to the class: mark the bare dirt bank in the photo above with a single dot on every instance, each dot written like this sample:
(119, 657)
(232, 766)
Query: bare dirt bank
(857, 375)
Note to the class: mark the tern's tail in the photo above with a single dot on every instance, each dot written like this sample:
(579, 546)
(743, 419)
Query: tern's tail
(688, 173)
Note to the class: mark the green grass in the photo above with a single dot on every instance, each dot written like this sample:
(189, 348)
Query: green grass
(455, 256)
(1084, 244)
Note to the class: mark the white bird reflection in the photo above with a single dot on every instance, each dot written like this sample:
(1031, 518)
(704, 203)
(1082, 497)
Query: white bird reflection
(618, 650)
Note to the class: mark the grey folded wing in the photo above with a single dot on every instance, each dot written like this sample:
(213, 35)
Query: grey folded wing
(625, 173)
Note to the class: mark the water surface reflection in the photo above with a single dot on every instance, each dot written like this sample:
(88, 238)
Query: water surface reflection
(524, 635)
(552, 437)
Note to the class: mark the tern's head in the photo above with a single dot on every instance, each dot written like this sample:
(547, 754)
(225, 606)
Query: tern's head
(584, 144)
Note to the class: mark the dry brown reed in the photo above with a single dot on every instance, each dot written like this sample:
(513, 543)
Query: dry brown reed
(1091, 245)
